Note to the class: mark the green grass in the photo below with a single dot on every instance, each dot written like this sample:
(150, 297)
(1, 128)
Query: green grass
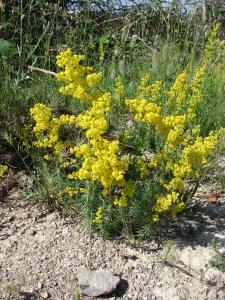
(219, 259)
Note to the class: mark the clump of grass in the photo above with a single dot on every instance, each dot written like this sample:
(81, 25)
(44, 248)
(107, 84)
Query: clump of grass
(51, 188)
(9, 286)
(219, 259)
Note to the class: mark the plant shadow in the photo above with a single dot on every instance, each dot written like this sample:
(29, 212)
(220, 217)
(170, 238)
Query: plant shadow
(120, 291)
(201, 223)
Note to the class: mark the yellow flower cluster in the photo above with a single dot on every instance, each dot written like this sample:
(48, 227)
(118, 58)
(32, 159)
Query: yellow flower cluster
(124, 193)
(164, 203)
(149, 91)
(41, 114)
(101, 163)
(196, 93)
(142, 166)
(94, 119)
(182, 100)
(145, 111)
(79, 79)
(184, 153)
(183, 93)
(213, 44)
(3, 170)
(171, 202)
(172, 128)
(120, 201)
(194, 157)
(71, 191)
(47, 128)
(98, 159)
(98, 216)
(188, 163)
(177, 93)
(119, 88)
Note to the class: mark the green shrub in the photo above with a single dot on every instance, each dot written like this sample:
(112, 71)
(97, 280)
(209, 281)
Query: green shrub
(131, 161)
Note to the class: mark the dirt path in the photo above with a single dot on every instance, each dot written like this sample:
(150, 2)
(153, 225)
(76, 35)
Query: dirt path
(40, 254)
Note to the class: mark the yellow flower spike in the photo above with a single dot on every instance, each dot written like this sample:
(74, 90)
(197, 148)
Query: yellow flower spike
(41, 114)
(141, 91)
(146, 112)
(119, 88)
(71, 191)
(178, 91)
(151, 92)
(142, 166)
(47, 157)
(79, 79)
(164, 203)
(155, 218)
(213, 43)
(94, 79)
(99, 216)
(3, 170)
(120, 201)
(47, 128)
(101, 163)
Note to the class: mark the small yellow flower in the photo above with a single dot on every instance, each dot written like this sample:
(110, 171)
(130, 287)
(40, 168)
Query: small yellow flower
(99, 216)
(71, 191)
(3, 169)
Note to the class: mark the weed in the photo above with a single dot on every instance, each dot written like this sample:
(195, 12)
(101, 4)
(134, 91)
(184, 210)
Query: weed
(9, 286)
(77, 295)
(219, 259)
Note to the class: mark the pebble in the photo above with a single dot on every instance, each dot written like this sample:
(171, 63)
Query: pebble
(40, 285)
(81, 255)
(97, 283)
(44, 295)
(65, 231)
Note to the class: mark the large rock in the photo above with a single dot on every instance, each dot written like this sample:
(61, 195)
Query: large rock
(97, 283)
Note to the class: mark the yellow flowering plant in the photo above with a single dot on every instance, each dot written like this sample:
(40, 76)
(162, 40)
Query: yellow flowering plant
(3, 170)
(144, 161)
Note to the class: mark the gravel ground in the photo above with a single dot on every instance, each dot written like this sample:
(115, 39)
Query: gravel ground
(41, 252)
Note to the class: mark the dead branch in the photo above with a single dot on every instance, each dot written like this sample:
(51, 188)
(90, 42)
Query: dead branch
(41, 70)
